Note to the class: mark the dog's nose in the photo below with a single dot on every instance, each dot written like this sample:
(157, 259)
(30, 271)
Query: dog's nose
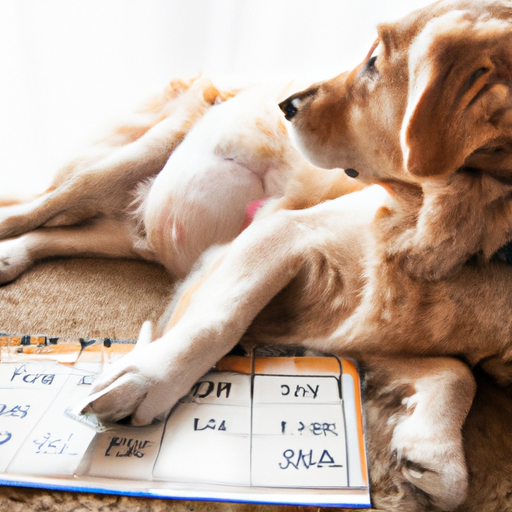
(289, 107)
(352, 173)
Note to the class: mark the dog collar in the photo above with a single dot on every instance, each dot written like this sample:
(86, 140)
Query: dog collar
(504, 254)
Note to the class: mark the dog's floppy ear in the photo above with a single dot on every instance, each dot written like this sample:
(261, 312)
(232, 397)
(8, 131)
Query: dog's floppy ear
(459, 109)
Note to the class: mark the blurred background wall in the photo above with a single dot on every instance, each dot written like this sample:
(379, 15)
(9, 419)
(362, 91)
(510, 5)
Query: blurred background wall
(68, 68)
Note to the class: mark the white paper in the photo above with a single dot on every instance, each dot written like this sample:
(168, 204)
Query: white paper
(284, 437)
(207, 437)
(298, 446)
(57, 443)
(295, 390)
(127, 452)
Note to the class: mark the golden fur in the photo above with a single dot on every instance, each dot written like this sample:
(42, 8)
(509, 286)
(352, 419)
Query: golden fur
(398, 276)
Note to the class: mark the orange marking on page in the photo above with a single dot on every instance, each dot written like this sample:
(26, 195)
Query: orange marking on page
(296, 365)
(239, 364)
(349, 368)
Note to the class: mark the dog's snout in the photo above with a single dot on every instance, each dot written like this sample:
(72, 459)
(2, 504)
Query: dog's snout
(289, 107)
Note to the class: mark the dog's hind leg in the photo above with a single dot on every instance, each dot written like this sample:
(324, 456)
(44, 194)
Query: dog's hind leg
(419, 405)
(104, 187)
(104, 184)
(101, 237)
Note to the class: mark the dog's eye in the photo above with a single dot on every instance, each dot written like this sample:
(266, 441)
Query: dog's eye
(370, 64)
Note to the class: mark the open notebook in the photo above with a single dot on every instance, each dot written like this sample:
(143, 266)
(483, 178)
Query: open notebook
(262, 429)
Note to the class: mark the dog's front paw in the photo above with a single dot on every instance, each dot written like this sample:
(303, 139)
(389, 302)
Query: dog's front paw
(140, 387)
(434, 463)
(14, 259)
(120, 393)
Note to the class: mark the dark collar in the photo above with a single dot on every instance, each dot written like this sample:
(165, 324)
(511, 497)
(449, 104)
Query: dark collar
(504, 254)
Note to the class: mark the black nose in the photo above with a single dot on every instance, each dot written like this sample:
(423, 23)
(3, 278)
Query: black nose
(288, 108)
(352, 173)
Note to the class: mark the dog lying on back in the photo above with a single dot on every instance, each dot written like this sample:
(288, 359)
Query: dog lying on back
(165, 186)
(401, 275)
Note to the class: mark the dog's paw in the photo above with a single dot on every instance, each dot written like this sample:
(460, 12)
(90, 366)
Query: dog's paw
(434, 463)
(121, 393)
(14, 259)
(140, 387)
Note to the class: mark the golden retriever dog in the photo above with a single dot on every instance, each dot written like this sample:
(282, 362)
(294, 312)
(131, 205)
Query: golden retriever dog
(404, 275)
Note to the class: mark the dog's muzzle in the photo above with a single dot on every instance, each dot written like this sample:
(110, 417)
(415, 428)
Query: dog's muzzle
(290, 108)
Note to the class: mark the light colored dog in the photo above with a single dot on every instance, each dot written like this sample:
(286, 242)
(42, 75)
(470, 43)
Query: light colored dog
(396, 275)
(167, 184)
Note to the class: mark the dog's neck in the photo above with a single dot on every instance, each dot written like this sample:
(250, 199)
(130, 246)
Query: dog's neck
(433, 230)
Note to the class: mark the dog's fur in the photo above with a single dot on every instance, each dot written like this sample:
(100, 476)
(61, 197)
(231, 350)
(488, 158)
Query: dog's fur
(166, 185)
(403, 271)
